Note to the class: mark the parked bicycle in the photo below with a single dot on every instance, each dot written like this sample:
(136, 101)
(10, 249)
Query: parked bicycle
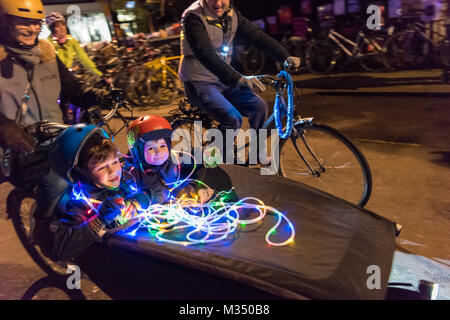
(314, 154)
(411, 48)
(157, 79)
(25, 173)
(367, 50)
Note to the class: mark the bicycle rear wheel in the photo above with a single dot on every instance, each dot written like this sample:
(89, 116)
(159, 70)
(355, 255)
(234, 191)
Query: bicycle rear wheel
(372, 59)
(140, 85)
(444, 52)
(320, 57)
(21, 207)
(339, 168)
(406, 49)
(164, 88)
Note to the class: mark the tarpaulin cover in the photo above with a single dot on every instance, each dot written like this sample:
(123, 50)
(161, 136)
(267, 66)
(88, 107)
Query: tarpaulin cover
(337, 250)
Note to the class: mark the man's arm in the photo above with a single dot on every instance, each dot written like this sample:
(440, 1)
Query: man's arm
(84, 58)
(257, 38)
(74, 91)
(203, 50)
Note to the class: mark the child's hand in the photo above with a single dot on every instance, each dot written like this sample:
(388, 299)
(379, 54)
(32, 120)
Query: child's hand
(205, 194)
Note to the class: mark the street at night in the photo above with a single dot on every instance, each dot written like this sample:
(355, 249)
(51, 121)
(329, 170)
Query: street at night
(100, 200)
(401, 123)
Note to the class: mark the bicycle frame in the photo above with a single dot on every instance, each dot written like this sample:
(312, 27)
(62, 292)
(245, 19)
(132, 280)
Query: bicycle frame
(161, 63)
(333, 35)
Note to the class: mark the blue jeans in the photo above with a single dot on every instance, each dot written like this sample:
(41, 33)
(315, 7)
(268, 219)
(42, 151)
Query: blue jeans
(227, 105)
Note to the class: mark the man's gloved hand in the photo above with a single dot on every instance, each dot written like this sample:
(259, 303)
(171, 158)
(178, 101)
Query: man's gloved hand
(251, 82)
(111, 98)
(15, 138)
(292, 62)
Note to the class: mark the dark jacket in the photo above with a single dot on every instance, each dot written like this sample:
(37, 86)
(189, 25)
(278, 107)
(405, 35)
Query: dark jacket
(156, 181)
(50, 80)
(195, 33)
(76, 226)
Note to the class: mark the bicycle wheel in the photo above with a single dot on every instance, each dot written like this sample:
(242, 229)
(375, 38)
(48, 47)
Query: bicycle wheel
(320, 57)
(164, 88)
(444, 52)
(252, 61)
(140, 86)
(339, 167)
(372, 59)
(406, 49)
(21, 207)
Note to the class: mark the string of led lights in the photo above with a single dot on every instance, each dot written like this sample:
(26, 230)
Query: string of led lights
(187, 221)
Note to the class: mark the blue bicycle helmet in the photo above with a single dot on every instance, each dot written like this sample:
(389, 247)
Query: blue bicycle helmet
(67, 147)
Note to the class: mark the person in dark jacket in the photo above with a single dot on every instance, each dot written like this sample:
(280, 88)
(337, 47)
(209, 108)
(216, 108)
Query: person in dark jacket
(33, 79)
(102, 197)
(209, 28)
(149, 140)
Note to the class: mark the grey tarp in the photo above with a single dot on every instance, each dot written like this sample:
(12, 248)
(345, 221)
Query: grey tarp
(332, 257)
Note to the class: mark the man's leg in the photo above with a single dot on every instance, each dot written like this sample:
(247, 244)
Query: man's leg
(248, 104)
(253, 106)
(210, 99)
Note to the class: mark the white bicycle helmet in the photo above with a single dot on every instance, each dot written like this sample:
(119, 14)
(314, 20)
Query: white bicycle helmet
(54, 17)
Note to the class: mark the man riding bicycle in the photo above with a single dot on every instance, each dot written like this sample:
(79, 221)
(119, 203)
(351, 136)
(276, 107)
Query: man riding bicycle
(32, 79)
(211, 83)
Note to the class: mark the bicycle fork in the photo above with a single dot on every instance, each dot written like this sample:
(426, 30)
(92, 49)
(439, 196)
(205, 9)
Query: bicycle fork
(293, 136)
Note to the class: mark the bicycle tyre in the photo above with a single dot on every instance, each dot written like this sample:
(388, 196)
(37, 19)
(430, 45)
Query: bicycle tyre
(140, 86)
(372, 60)
(163, 93)
(320, 57)
(444, 52)
(400, 54)
(24, 230)
(353, 185)
(252, 61)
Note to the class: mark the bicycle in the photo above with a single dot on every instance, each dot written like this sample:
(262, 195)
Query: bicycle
(314, 154)
(323, 55)
(411, 47)
(25, 173)
(157, 78)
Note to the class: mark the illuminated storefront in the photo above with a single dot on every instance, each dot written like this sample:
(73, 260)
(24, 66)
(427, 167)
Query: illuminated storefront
(86, 19)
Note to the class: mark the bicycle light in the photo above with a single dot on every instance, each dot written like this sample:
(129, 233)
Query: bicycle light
(224, 50)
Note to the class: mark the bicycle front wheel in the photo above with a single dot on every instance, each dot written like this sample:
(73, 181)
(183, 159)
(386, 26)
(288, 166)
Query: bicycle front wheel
(321, 157)
(406, 49)
(164, 86)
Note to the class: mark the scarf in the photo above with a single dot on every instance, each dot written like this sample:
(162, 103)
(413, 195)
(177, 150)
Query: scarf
(30, 57)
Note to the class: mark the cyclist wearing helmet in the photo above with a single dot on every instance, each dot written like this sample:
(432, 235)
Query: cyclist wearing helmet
(102, 197)
(149, 140)
(66, 46)
(208, 30)
(32, 79)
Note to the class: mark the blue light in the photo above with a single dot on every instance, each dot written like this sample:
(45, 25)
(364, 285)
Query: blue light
(225, 48)
(130, 4)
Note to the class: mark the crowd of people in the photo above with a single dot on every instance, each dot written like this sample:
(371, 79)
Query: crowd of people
(89, 193)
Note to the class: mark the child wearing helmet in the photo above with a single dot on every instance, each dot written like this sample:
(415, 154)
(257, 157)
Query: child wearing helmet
(102, 196)
(149, 140)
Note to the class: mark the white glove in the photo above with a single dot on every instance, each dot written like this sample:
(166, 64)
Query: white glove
(251, 82)
(292, 62)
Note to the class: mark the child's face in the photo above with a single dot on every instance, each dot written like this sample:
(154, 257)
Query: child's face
(156, 152)
(106, 173)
